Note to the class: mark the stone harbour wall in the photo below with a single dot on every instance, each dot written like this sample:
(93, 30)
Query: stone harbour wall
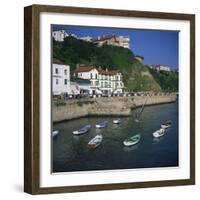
(110, 106)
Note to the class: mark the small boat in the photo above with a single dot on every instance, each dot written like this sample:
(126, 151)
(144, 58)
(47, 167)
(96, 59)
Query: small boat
(95, 142)
(116, 121)
(102, 124)
(55, 133)
(167, 124)
(159, 133)
(132, 140)
(82, 130)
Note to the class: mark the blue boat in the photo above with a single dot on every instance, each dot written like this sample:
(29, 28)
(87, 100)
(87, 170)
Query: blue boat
(82, 130)
(102, 124)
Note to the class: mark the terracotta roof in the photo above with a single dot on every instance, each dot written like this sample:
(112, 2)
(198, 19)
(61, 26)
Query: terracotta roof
(57, 61)
(84, 69)
(101, 71)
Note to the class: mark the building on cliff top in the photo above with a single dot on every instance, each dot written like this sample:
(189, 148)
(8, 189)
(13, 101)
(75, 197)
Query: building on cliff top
(120, 41)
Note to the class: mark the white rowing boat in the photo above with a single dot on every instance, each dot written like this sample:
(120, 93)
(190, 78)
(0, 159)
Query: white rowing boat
(55, 133)
(102, 124)
(159, 133)
(95, 142)
(116, 121)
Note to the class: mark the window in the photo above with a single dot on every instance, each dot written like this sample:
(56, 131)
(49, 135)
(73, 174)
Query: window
(65, 80)
(65, 71)
(96, 76)
(56, 70)
(57, 81)
(90, 75)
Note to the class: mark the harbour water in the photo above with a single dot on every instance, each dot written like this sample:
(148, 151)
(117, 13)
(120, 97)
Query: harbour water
(70, 153)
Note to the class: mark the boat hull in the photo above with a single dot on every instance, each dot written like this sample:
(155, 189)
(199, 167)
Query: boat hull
(116, 121)
(132, 140)
(83, 130)
(165, 126)
(55, 133)
(95, 142)
(102, 125)
(159, 133)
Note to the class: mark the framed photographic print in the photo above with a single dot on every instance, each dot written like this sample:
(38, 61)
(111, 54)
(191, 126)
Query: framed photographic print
(109, 99)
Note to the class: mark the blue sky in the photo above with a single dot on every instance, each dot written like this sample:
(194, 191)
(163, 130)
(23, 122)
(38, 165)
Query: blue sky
(157, 47)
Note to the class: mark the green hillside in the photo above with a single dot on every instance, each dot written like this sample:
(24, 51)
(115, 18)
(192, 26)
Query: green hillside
(168, 81)
(136, 76)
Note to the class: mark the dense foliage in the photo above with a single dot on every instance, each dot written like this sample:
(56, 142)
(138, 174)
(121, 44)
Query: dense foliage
(168, 81)
(136, 76)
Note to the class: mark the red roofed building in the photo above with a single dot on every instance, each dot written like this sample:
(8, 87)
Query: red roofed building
(104, 80)
(121, 41)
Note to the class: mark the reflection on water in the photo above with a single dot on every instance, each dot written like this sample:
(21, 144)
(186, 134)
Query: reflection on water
(70, 153)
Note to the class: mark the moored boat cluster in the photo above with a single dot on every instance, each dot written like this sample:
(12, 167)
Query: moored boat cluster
(130, 141)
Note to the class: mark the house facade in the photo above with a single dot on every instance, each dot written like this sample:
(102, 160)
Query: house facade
(80, 86)
(59, 35)
(60, 78)
(120, 41)
(102, 81)
(163, 68)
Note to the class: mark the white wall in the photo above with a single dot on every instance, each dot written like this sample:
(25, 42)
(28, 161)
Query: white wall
(58, 79)
(87, 75)
(11, 101)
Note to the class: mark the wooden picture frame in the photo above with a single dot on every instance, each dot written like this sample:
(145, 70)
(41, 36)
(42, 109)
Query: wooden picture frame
(32, 97)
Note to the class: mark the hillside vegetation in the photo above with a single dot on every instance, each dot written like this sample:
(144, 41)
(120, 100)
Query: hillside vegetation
(136, 76)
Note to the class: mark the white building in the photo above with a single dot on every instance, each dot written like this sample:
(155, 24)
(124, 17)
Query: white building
(80, 86)
(86, 38)
(60, 78)
(59, 35)
(104, 81)
(163, 68)
(120, 41)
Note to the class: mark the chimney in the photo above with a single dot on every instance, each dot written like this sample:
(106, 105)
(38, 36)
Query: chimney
(106, 69)
(77, 66)
(99, 67)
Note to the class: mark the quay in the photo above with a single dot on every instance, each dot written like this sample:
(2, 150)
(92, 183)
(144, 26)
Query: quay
(112, 106)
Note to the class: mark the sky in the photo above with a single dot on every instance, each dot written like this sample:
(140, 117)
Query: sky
(157, 47)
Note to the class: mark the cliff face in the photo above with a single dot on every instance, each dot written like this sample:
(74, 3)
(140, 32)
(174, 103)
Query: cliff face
(105, 106)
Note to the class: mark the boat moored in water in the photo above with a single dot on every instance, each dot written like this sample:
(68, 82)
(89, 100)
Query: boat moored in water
(102, 124)
(82, 130)
(159, 133)
(95, 142)
(116, 121)
(167, 124)
(132, 140)
(55, 133)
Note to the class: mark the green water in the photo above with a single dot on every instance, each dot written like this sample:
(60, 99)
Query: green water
(70, 153)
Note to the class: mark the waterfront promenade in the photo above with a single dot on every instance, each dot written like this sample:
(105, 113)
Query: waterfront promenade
(112, 106)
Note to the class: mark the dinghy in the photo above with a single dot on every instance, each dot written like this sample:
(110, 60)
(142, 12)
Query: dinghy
(167, 124)
(102, 124)
(132, 140)
(159, 133)
(82, 130)
(95, 142)
(55, 133)
(116, 121)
